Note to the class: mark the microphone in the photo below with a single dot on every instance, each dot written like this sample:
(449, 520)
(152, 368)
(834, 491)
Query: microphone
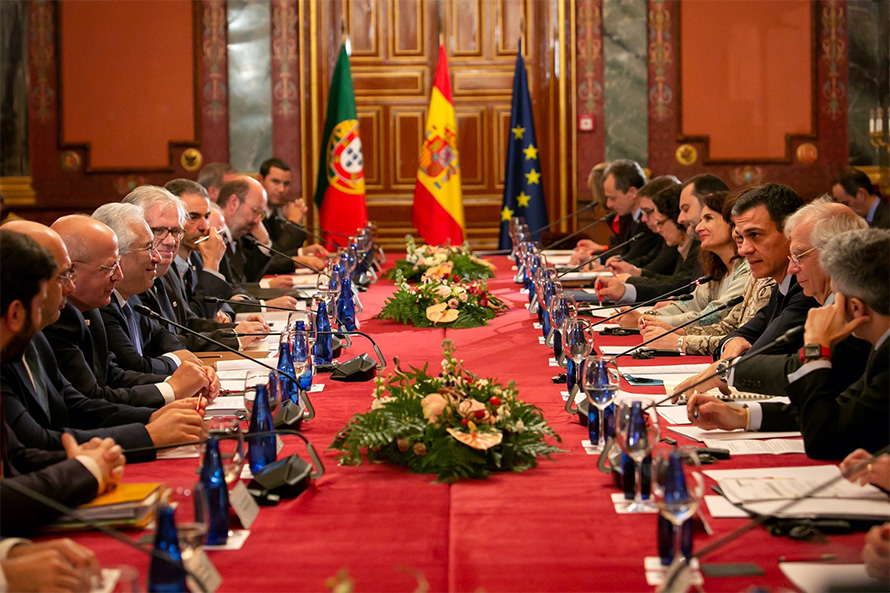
(783, 339)
(682, 297)
(579, 231)
(730, 303)
(308, 413)
(301, 227)
(672, 581)
(566, 217)
(697, 282)
(603, 254)
(213, 299)
(109, 531)
(256, 242)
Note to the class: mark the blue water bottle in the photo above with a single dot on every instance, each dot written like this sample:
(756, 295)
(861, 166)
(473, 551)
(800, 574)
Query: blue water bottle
(593, 422)
(166, 576)
(286, 368)
(213, 478)
(674, 492)
(571, 377)
(323, 345)
(346, 306)
(261, 449)
(630, 477)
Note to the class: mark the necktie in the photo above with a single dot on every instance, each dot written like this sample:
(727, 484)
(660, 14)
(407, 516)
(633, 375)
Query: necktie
(164, 303)
(32, 362)
(188, 280)
(133, 328)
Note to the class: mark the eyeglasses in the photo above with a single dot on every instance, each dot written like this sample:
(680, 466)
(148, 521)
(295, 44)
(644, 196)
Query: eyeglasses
(151, 247)
(256, 211)
(161, 232)
(795, 259)
(109, 269)
(66, 277)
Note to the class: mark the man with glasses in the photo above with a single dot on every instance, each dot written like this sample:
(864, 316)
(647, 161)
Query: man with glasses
(79, 339)
(140, 344)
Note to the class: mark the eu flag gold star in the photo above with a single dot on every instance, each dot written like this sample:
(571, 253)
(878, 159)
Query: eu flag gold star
(523, 199)
(506, 214)
(533, 177)
(531, 152)
(518, 131)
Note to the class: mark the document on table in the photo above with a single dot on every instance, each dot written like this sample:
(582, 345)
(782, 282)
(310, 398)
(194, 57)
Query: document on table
(658, 371)
(699, 434)
(671, 383)
(674, 414)
(752, 447)
(226, 404)
(815, 577)
(242, 365)
(573, 276)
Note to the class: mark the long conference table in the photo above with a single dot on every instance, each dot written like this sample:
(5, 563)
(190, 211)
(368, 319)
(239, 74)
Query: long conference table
(552, 528)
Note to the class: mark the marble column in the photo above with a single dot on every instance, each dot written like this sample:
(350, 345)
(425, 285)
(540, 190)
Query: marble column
(14, 89)
(868, 45)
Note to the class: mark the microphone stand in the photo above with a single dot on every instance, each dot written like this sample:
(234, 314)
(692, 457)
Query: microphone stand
(681, 298)
(601, 255)
(301, 227)
(308, 413)
(566, 217)
(259, 245)
(213, 299)
(696, 282)
(576, 233)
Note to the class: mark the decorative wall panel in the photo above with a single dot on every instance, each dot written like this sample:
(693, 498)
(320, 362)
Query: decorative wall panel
(286, 97)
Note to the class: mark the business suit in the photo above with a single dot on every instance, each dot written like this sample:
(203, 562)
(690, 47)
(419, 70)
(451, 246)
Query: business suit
(781, 313)
(199, 283)
(49, 473)
(643, 250)
(81, 348)
(286, 238)
(881, 219)
(167, 298)
(665, 260)
(69, 409)
(155, 342)
(835, 423)
(650, 285)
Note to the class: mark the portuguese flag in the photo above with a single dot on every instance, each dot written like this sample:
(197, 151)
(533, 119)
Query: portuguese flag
(438, 211)
(340, 189)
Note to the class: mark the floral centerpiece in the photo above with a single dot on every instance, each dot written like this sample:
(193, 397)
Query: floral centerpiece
(453, 424)
(445, 301)
(423, 260)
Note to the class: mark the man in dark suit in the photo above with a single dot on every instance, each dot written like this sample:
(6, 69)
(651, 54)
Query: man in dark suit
(80, 472)
(138, 342)
(283, 213)
(39, 403)
(79, 339)
(853, 188)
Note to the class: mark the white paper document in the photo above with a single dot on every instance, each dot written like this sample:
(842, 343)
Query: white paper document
(815, 577)
(699, 434)
(752, 447)
(242, 364)
(720, 508)
(227, 403)
(584, 276)
(663, 369)
(674, 414)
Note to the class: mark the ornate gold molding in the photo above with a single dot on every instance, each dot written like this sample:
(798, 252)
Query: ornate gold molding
(17, 191)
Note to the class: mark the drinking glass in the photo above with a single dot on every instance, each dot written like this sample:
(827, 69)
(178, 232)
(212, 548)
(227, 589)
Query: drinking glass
(560, 305)
(677, 487)
(578, 334)
(227, 430)
(599, 379)
(192, 517)
(273, 389)
(636, 430)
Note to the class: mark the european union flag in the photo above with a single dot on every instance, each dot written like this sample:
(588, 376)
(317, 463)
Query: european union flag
(523, 193)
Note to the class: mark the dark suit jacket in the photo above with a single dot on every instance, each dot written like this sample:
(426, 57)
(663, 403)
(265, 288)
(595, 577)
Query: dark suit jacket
(881, 219)
(81, 348)
(156, 341)
(46, 472)
(835, 423)
(285, 237)
(205, 284)
(665, 260)
(651, 285)
(780, 314)
(642, 251)
(83, 417)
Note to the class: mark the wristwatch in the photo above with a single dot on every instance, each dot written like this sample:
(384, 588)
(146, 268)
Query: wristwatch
(814, 352)
(723, 370)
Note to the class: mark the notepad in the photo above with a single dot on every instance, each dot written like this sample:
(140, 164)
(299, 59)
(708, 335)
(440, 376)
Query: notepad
(757, 447)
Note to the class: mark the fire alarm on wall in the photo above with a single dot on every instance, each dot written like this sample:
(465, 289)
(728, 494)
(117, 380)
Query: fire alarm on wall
(585, 123)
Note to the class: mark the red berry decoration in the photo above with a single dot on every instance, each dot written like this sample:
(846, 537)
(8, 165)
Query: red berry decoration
(480, 414)
(495, 401)
(464, 422)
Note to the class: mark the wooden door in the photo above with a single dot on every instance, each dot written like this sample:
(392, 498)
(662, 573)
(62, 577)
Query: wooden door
(394, 52)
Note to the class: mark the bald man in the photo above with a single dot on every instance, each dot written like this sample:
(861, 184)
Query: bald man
(79, 337)
(39, 403)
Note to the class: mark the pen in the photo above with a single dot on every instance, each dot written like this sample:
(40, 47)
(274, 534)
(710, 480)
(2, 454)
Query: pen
(819, 558)
(202, 239)
(596, 287)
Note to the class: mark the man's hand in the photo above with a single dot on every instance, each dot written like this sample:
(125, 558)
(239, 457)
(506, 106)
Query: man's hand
(826, 326)
(665, 342)
(651, 322)
(260, 233)
(317, 251)
(212, 391)
(735, 347)
(45, 570)
(109, 457)
(589, 245)
(285, 282)
(610, 288)
(579, 256)
(706, 386)
(78, 555)
(629, 319)
(250, 327)
(295, 211)
(708, 413)
(876, 553)
(212, 250)
(188, 380)
(310, 260)
(176, 422)
(619, 266)
(286, 301)
(187, 356)
(221, 317)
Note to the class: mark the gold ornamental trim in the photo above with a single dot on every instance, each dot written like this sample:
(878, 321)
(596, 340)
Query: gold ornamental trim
(686, 154)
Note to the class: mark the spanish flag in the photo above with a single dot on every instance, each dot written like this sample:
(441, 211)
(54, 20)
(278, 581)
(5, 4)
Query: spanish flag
(340, 188)
(438, 212)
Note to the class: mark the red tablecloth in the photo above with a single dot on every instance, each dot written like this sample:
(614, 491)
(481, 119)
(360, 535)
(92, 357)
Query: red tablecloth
(548, 529)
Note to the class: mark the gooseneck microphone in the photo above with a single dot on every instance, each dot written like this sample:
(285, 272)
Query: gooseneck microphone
(578, 232)
(256, 242)
(674, 299)
(697, 282)
(566, 217)
(308, 413)
(303, 228)
(728, 304)
(783, 339)
(213, 299)
(605, 253)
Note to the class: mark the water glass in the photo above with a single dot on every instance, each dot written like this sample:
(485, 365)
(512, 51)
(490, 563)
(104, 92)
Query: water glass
(273, 388)
(600, 379)
(227, 430)
(677, 487)
(637, 432)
